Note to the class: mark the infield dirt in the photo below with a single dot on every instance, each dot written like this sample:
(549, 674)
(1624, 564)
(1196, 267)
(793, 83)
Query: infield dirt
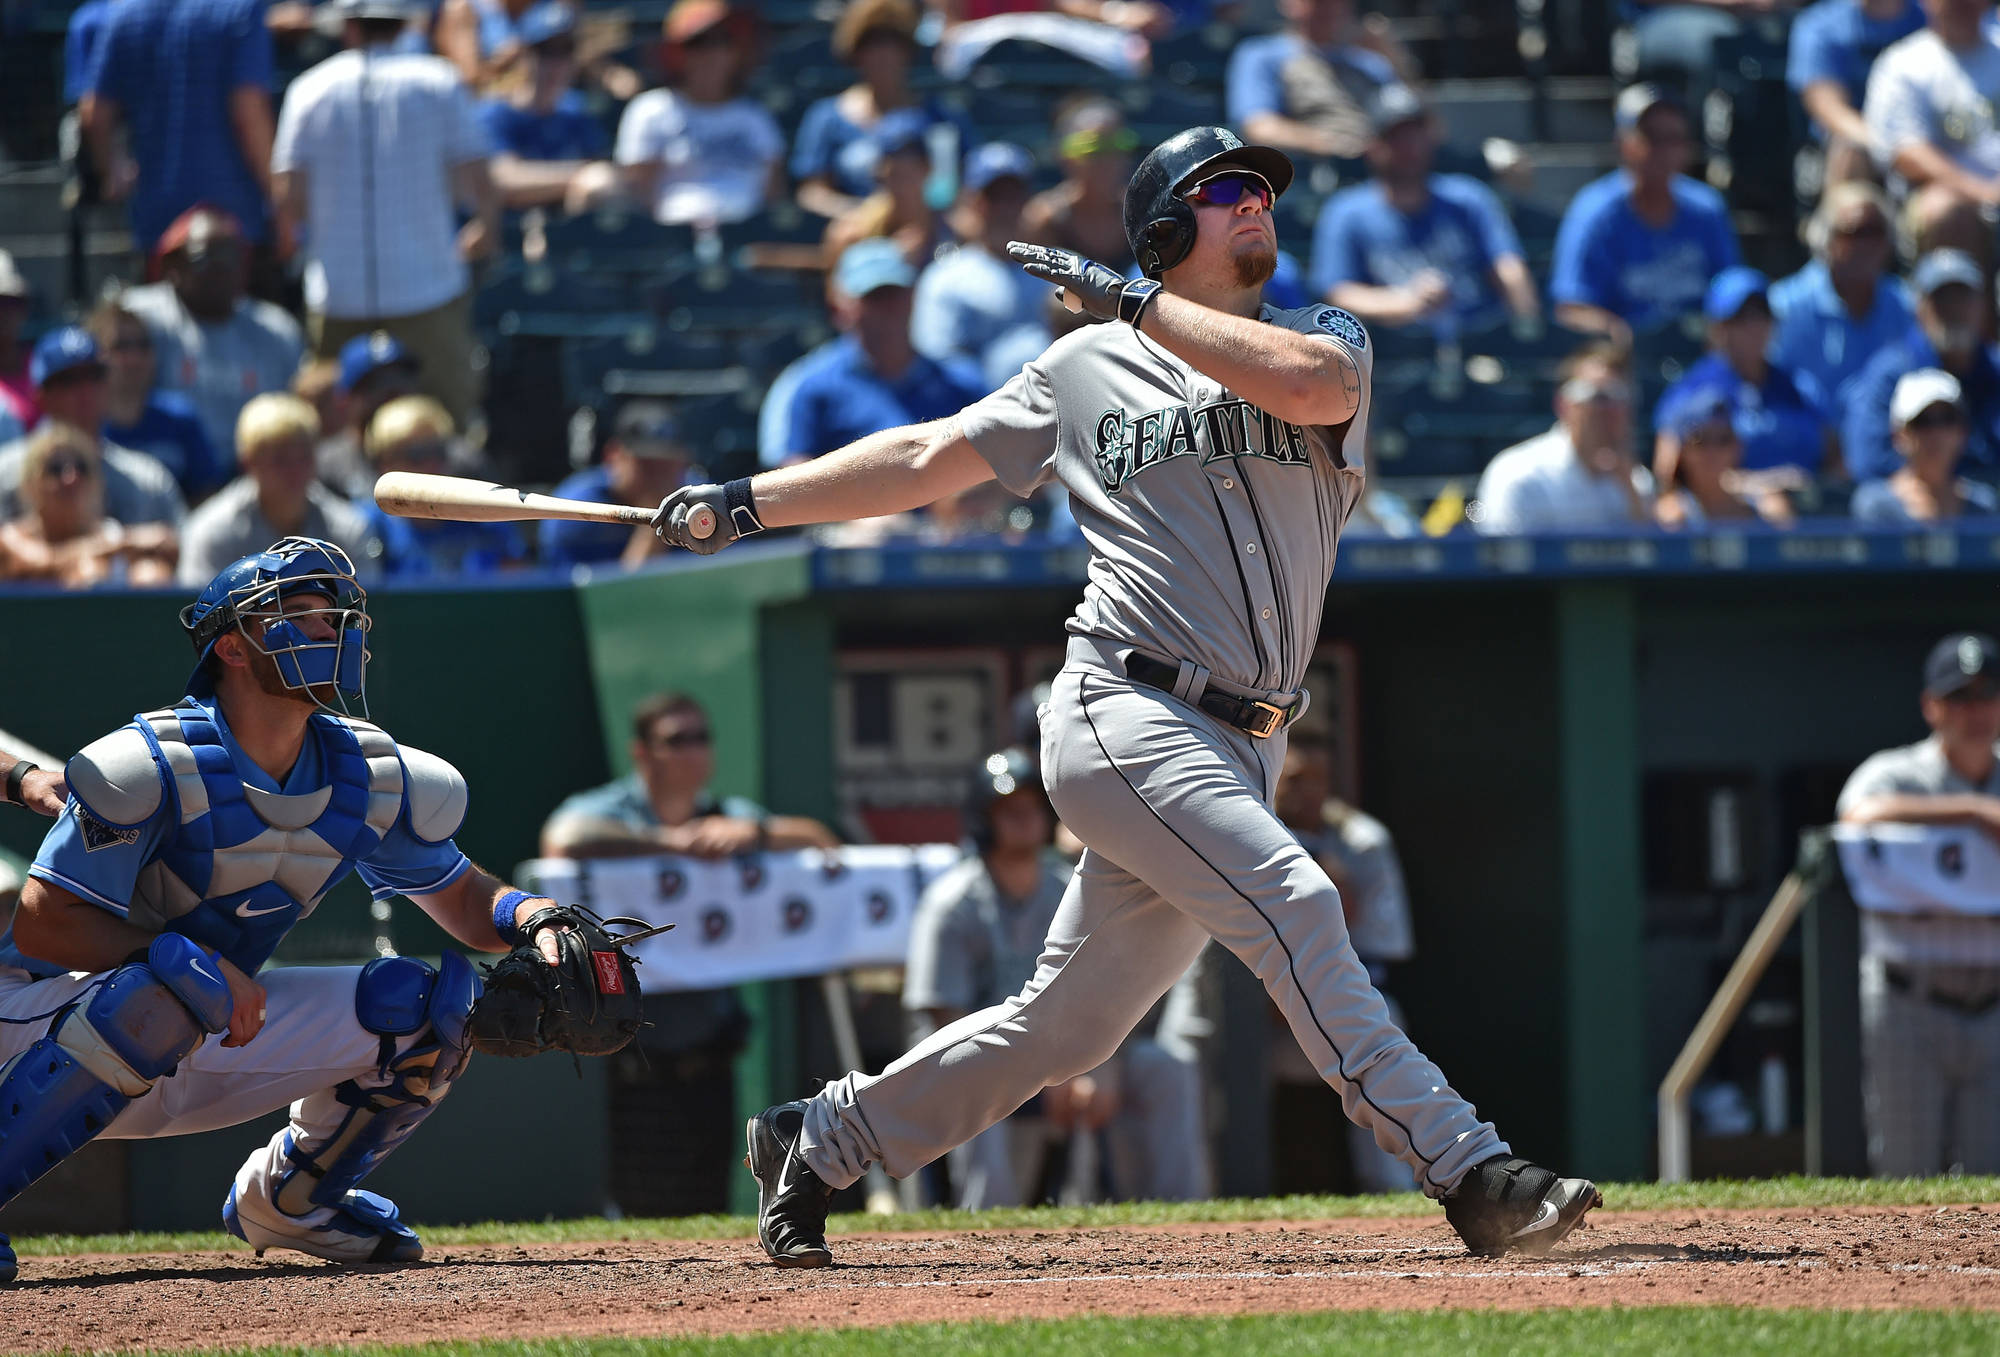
(1845, 1258)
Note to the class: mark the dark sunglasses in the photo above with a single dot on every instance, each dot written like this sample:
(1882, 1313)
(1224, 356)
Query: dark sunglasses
(682, 739)
(1873, 228)
(427, 451)
(1937, 417)
(556, 48)
(132, 346)
(56, 467)
(1230, 188)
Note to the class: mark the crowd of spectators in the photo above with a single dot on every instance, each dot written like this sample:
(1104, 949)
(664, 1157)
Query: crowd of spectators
(313, 256)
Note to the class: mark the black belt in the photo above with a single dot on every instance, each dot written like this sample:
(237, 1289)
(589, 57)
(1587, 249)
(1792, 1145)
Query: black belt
(1904, 981)
(1247, 714)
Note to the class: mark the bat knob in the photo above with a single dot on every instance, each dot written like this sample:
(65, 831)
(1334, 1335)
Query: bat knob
(701, 522)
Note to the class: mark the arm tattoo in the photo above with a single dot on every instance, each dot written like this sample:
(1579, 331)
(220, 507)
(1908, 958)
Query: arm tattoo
(1350, 381)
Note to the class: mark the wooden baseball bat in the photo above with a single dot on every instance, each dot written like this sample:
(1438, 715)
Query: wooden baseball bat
(412, 494)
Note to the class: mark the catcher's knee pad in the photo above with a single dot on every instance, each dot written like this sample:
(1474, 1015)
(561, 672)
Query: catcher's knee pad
(396, 997)
(106, 1049)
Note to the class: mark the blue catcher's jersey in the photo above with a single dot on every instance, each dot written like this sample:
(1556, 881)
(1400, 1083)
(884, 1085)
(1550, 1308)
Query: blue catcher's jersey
(171, 825)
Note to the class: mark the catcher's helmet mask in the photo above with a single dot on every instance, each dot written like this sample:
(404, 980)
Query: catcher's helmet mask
(257, 587)
(1159, 221)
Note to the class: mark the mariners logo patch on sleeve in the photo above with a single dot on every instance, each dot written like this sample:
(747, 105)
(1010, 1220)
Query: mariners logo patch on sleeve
(1343, 327)
(97, 834)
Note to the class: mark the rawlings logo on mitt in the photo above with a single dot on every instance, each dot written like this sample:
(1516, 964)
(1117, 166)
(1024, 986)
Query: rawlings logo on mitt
(586, 1003)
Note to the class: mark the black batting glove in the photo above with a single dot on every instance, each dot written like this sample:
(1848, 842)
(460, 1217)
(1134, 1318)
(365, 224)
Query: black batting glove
(706, 518)
(1087, 286)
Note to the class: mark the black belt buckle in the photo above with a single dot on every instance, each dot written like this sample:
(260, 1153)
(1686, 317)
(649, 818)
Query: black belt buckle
(1903, 981)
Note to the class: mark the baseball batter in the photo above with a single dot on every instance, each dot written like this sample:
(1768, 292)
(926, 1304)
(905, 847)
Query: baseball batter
(1211, 448)
(193, 840)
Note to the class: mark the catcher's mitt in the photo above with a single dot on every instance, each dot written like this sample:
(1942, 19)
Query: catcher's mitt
(586, 1004)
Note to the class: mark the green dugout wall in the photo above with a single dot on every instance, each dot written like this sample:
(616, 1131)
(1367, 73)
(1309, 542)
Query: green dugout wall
(1514, 718)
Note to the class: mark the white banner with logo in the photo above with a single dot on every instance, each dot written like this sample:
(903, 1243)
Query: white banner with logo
(768, 916)
(1927, 869)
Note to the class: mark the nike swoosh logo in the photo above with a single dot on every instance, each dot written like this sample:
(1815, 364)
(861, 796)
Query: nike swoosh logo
(1543, 1219)
(243, 911)
(787, 1178)
(200, 969)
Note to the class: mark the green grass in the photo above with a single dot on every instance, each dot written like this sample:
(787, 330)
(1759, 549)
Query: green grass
(1774, 1193)
(1661, 1332)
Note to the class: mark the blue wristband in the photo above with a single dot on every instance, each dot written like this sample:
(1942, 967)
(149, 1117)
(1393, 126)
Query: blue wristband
(504, 911)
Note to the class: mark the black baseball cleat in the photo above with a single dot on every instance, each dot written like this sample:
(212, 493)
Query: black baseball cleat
(1510, 1205)
(791, 1198)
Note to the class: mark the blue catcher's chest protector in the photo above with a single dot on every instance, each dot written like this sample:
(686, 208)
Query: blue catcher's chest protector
(241, 865)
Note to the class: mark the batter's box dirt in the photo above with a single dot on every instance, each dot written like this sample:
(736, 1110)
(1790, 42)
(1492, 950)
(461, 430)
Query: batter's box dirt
(1925, 1257)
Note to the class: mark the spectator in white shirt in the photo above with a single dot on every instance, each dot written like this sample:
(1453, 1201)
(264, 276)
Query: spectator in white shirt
(214, 344)
(376, 148)
(699, 150)
(1929, 111)
(975, 304)
(1580, 476)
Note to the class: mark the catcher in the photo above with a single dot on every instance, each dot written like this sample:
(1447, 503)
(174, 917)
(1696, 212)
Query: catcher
(195, 837)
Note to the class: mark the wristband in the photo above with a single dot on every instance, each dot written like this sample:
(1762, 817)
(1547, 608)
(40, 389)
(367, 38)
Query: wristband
(506, 910)
(1132, 300)
(16, 776)
(742, 507)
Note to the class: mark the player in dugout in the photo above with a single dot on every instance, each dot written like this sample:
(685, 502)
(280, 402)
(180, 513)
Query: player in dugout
(194, 839)
(1211, 445)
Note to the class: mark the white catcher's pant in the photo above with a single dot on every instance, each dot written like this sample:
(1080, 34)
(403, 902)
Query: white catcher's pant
(1182, 846)
(310, 1042)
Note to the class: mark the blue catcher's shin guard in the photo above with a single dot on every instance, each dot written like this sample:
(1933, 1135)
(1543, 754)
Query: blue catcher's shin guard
(106, 1049)
(312, 1203)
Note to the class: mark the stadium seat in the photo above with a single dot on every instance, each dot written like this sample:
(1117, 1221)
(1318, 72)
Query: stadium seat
(619, 243)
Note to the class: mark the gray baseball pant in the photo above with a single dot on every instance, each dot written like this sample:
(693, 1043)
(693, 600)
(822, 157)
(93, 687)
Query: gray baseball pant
(1931, 1079)
(1182, 846)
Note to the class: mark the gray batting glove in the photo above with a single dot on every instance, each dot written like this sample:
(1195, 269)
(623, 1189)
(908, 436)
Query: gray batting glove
(1087, 285)
(678, 519)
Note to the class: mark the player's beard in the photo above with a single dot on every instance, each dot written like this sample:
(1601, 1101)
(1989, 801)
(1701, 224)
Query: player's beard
(1254, 269)
(265, 670)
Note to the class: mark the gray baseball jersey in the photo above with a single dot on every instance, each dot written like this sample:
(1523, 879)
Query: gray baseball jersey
(1208, 543)
(1212, 528)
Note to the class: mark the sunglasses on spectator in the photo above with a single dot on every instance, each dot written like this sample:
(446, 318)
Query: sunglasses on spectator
(558, 48)
(427, 451)
(1583, 391)
(57, 467)
(1230, 188)
(1868, 228)
(1095, 141)
(1937, 417)
(132, 344)
(682, 739)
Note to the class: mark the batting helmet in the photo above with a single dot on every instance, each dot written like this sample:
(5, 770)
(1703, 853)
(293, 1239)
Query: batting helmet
(1001, 774)
(1159, 223)
(259, 584)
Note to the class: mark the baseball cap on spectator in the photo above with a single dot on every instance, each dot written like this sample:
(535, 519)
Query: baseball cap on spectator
(691, 18)
(903, 130)
(863, 19)
(870, 265)
(1704, 408)
(1639, 100)
(545, 23)
(1941, 268)
(68, 349)
(1393, 105)
(1918, 391)
(196, 245)
(1732, 290)
(12, 284)
(646, 428)
(1958, 661)
(364, 355)
(997, 160)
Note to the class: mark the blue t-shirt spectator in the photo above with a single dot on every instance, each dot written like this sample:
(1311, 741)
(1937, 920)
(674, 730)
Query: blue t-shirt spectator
(562, 542)
(1267, 73)
(565, 132)
(1864, 431)
(1782, 422)
(1607, 256)
(169, 431)
(1834, 40)
(1461, 232)
(836, 398)
(828, 144)
(171, 66)
(1816, 337)
(86, 26)
(420, 548)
